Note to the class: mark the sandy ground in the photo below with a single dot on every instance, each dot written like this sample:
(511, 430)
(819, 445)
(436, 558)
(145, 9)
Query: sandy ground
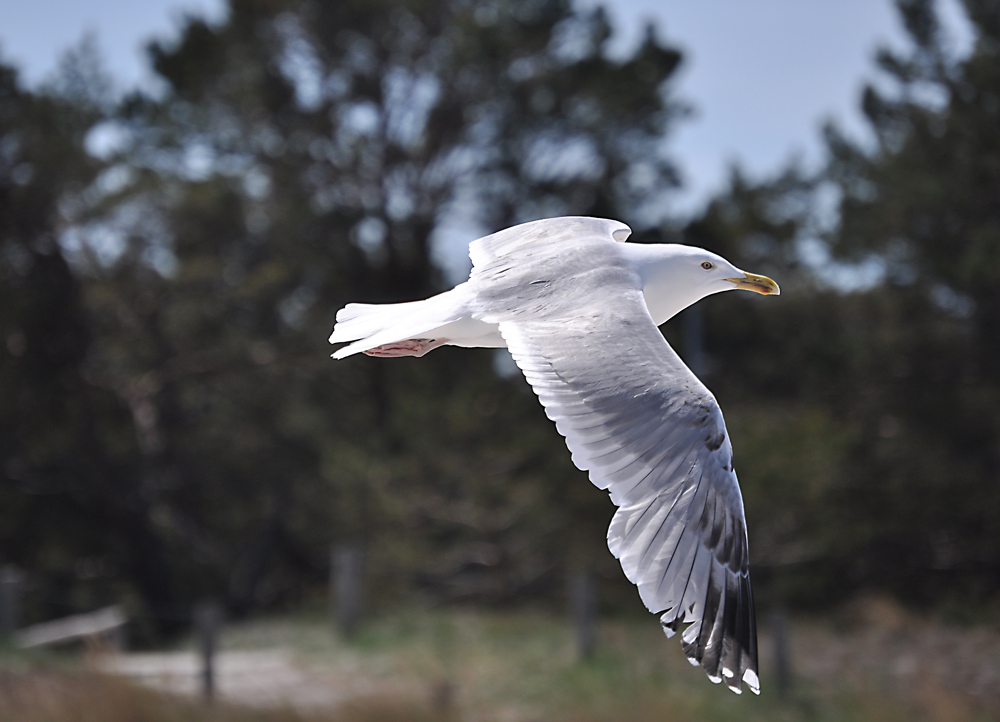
(267, 678)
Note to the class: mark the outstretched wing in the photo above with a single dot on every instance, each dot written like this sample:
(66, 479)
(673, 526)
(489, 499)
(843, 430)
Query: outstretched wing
(647, 430)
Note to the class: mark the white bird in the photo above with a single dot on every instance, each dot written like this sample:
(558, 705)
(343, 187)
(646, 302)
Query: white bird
(578, 308)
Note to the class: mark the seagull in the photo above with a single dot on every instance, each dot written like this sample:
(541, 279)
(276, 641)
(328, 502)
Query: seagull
(578, 308)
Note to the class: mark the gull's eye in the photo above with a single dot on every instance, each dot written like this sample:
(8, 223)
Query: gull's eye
(707, 265)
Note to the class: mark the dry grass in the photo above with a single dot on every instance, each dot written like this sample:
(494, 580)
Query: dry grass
(80, 696)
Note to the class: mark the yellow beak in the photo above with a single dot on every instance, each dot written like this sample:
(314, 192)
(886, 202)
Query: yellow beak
(757, 284)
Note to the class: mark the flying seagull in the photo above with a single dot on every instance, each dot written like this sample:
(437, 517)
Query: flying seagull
(578, 308)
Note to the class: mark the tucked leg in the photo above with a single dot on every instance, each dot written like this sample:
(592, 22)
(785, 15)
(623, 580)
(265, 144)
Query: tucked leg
(410, 347)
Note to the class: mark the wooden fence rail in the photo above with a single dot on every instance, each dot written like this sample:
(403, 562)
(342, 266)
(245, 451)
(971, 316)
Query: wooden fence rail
(107, 622)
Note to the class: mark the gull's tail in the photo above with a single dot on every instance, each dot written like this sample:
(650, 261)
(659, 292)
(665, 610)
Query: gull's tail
(371, 325)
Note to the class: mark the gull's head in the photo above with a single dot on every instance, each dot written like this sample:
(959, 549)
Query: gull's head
(704, 273)
(675, 276)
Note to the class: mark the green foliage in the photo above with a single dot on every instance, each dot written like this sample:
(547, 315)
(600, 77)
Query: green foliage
(304, 155)
(865, 424)
(924, 201)
(69, 459)
(172, 429)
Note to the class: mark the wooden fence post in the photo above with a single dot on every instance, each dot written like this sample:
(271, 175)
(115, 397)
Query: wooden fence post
(10, 589)
(583, 601)
(207, 617)
(346, 575)
(782, 652)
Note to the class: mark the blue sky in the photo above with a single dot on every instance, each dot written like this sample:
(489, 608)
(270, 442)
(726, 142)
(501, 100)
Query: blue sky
(762, 75)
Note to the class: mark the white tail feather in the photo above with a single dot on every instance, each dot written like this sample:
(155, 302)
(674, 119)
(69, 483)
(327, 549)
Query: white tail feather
(371, 325)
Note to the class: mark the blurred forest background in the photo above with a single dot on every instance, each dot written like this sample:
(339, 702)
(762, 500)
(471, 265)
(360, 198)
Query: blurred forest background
(172, 429)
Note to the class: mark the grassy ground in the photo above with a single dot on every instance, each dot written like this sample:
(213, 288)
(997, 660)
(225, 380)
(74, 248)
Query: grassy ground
(464, 665)
(523, 666)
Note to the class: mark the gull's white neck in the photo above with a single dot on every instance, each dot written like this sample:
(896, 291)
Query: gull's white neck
(664, 286)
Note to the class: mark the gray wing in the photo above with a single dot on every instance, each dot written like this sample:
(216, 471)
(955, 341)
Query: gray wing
(646, 430)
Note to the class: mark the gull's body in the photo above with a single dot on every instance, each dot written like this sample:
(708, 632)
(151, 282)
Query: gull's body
(578, 309)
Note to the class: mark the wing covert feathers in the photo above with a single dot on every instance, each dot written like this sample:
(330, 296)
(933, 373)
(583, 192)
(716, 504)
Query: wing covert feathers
(517, 245)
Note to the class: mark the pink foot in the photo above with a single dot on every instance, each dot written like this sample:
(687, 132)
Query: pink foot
(410, 347)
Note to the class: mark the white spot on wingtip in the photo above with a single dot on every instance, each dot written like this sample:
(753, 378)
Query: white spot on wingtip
(753, 682)
(726, 672)
(694, 662)
(714, 680)
(736, 690)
